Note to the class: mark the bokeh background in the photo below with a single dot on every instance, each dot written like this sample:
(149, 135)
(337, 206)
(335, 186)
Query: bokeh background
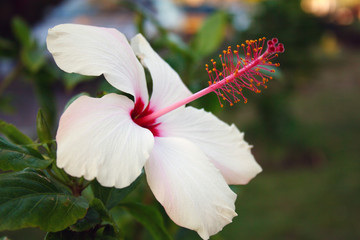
(304, 127)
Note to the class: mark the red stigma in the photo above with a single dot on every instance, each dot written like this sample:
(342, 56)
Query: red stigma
(248, 70)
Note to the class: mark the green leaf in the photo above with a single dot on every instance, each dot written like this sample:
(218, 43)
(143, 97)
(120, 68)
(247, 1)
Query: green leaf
(112, 196)
(22, 31)
(98, 205)
(16, 158)
(97, 214)
(32, 58)
(211, 34)
(68, 235)
(105, 215)
(14, 134)
(149, 217)
(42, 128)
(109, 233)
(73, 79)
(29, 199)
(91, 218)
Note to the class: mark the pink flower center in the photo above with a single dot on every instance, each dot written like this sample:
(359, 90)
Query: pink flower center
(139, 112)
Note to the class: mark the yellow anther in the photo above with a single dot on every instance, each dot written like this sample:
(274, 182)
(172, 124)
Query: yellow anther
(206, 65)
(224, 51)
(231, 104)
(209, 82)
(272, 70)
(248, 54)
(220, 55)
(257, 69)
(236, 52)
(237, 46)
(221, 105)
(271, 77)
(211, 60)
(242, 45)
(214, 69)
(220, 74)
(245, 101)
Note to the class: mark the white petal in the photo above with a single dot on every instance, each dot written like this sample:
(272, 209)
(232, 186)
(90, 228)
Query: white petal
(93, 51)
(97, 139)
(191, 189)
(223, 144)
(168, 88)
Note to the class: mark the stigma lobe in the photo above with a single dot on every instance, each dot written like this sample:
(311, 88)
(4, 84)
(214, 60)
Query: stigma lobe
(246, 67)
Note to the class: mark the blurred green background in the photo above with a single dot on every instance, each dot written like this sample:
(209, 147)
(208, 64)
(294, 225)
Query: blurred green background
(304, 127)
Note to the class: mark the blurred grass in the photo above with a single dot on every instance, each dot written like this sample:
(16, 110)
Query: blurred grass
(301, 204)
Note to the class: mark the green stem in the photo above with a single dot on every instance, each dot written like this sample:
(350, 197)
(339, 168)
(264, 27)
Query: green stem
(86, 184)
(61, 174)
(61, 181)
